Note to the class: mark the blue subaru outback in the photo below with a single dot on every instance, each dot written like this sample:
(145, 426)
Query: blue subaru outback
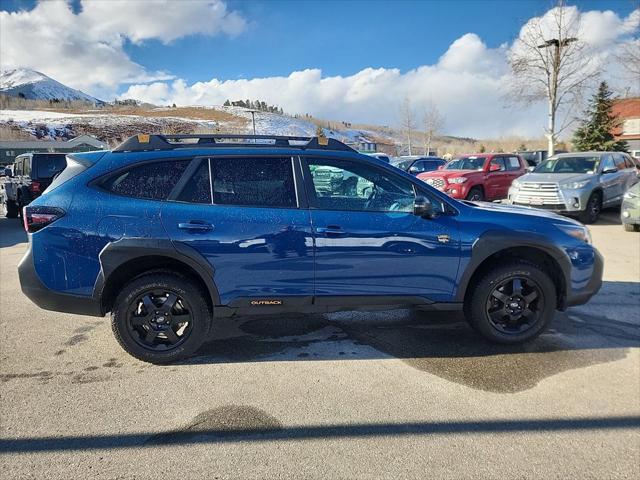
(169, 233)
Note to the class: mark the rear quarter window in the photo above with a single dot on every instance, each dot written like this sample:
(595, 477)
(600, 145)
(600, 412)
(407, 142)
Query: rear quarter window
(153, 181)
(48, 166)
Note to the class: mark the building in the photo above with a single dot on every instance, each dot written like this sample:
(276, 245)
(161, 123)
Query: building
(10, 149)
(628, 112)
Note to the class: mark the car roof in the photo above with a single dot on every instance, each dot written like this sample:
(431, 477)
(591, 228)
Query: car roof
(584, 154)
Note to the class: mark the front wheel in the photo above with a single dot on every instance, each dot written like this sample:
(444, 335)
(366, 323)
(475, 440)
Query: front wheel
(592, 212)
(161, 318)
(512, 304)
(475, 195)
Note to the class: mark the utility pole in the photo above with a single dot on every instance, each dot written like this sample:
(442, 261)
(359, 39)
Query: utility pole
(553, 87)
(253, 118)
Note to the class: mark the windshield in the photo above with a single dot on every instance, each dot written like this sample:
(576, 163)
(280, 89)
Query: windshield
(569, 165)
(466, 163)
(49, 165)
(404, 164)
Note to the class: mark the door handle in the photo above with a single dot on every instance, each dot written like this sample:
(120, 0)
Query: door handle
(195, 226)
(332, 230)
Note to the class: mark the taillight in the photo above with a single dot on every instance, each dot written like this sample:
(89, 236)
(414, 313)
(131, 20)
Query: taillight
(35, 187)
(36, 218)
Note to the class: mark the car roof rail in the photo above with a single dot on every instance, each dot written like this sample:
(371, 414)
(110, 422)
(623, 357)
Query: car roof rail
(145, 143)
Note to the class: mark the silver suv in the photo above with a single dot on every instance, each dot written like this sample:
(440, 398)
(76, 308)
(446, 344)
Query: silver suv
(581, 183)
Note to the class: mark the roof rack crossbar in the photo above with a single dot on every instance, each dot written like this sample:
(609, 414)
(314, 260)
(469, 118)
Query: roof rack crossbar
(144, 143)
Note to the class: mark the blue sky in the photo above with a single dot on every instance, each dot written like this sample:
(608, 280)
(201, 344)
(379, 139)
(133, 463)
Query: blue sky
(342, 60)
(339, 37)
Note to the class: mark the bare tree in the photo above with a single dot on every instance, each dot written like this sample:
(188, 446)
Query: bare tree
(407, 121)
(550, 62)
(628, 55)
(433, 121)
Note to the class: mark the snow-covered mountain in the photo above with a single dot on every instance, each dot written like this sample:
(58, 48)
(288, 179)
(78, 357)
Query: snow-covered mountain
(26, 83)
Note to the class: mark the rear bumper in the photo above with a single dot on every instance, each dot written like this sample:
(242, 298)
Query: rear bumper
(593, 285)
(48, 299)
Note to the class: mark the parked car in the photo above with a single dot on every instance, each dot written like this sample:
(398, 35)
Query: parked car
(581, 183)
(170, 236)
(630, 211)
(483, 176)
(380, 156)
(417, 164)
(30, 175)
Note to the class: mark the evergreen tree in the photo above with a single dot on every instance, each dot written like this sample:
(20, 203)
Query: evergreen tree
(595, 131)
(227, 103)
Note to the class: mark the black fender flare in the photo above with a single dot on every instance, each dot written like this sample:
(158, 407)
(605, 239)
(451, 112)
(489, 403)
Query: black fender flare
(492, 242)
(117, 253)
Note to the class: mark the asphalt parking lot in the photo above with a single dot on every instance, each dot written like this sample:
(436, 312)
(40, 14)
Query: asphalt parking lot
(349, 395)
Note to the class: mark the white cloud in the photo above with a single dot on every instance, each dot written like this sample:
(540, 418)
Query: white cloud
(468, 84)
(85, 50)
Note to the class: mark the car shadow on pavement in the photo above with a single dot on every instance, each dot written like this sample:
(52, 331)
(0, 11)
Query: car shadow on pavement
(436, 343)
(11, 232)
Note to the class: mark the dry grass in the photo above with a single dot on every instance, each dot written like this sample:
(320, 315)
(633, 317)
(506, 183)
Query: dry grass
(13, 132)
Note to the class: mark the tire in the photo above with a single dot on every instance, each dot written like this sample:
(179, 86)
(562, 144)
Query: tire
(591, 213)
(475, 195)
(631, 227)
(491, 317)
(11, 209)
(148, 334)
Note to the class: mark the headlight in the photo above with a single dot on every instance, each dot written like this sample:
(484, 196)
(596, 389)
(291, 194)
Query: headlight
(575, 185)
(576, 231)
(630, 194)
(458, 180)
(515, 184)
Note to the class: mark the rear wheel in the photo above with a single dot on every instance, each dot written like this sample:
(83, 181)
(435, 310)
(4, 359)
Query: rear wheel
(475, 195)
(11, 209)
(591, 213)
(512, 304)
(161, 318)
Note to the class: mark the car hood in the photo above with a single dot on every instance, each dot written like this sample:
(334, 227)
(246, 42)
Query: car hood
(521, 210)
(448, 174)
(556, 177)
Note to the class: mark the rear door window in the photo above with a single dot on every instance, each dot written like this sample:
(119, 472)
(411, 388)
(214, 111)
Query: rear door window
(513, 163)
(258, 182)
(48, 166)
(154, 180)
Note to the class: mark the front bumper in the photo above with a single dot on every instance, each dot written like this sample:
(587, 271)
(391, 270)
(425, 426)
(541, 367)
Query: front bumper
(584, 294)
(561, 201)
(48, 299)
(630, 212)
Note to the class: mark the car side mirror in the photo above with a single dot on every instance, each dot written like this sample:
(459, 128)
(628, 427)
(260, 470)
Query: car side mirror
(530, 169)
(609, 170)
(494, 168)
(441, 167)
(423, 208)
(413, 170)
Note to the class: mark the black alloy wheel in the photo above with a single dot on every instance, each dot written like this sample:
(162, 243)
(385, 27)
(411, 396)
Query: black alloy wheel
(159, 320)
(515, 305)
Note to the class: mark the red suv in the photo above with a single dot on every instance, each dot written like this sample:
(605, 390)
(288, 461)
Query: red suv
(484, 176)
